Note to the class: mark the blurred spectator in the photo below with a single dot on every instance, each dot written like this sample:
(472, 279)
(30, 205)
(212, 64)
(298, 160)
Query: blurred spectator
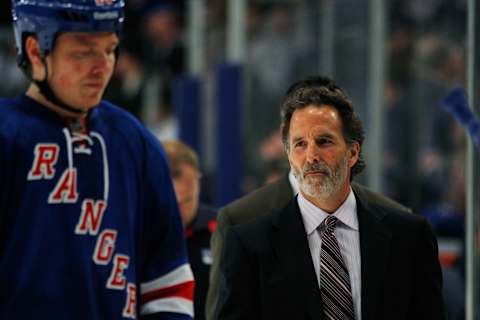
(273, 72)
(272, 154)
(276, 169)
(434, 127)
(126, 86)
(164, 57)
(163, 32)
(14, 80)
(199, 220)
(417, 174)
(271, 148)
(400, 52)
(165, 125)
(276, 54)
(216, 33)
(271, 58)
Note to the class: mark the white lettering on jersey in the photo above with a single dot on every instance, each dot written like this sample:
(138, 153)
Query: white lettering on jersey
(105, 247)
(117, 279)
(46, 156)
(66, 189)
(109, 15)
(129, 311)
(91, 217)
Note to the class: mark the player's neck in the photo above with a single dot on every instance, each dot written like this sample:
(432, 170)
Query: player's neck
(34, 93)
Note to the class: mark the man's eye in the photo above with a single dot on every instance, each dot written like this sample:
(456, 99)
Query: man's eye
(82, 54)
(323, 141)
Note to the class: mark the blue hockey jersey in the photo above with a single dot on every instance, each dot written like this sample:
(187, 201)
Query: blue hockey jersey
(89, 223)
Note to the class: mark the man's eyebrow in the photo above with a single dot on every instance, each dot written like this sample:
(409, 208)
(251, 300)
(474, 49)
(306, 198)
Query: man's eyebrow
(325, 135)
(297, 138)
(84, 40)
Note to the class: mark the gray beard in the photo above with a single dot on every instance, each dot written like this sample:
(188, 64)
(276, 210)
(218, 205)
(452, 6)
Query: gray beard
(324, 186)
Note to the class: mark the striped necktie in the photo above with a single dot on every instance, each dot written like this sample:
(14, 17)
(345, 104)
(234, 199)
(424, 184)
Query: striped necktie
(334, 280)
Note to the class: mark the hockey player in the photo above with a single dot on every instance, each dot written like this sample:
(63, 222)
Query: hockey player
(89, 224)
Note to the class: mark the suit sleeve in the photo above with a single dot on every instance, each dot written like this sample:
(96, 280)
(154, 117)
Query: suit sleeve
(216, 244)
(428, 301)
(238, 296)
(166, 279)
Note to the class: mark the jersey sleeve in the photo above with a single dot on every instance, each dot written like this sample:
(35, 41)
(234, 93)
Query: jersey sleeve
(166, 281)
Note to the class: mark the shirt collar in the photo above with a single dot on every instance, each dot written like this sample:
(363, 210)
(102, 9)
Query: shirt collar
(313, 216)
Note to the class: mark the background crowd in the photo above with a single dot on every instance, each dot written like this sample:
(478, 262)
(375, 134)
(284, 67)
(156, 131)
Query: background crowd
(424, 148)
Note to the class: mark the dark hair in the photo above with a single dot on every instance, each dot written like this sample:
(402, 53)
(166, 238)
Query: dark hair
(321, 91)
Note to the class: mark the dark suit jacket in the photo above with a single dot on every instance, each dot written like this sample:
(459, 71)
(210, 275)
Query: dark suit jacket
(270, 197)
(267, 270)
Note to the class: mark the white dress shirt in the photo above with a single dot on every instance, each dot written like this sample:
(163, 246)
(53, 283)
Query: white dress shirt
(348, 238)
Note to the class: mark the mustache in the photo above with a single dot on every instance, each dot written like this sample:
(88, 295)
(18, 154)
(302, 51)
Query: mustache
(316, 167)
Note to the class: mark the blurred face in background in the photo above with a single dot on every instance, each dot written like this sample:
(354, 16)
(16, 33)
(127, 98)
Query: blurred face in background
(161, 27)
(186, 182)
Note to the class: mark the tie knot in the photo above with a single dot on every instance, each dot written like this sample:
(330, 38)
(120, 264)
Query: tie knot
(330, 222)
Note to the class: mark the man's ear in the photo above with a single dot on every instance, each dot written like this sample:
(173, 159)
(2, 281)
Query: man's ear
(32, 48)
(354, 154)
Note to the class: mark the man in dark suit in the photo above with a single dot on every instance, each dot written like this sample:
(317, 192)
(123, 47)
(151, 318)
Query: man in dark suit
(337, 250)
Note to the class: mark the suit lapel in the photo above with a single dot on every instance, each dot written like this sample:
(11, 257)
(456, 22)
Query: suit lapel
(291, 247)
(374, 251)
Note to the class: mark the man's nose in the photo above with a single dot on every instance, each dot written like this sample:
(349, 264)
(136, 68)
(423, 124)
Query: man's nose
(313, 154)
(102, 63)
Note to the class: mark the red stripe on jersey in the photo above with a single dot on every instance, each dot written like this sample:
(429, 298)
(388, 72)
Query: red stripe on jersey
(182, 290)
